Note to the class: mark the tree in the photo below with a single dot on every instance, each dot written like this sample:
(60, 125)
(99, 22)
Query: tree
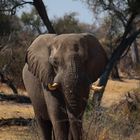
(32, 22)
(7, 11)
(109, 32)
(11, 7)
(9, 25)
(119, 11)
(70, 24)
(10, 35)
(12, 40)
(39, 5)
(128, 12)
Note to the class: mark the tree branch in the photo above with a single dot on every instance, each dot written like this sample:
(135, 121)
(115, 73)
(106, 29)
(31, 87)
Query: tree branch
(128, 27)
(118, 13)
(15, 6)
(21, 4)
(111, 7)
(40, 7)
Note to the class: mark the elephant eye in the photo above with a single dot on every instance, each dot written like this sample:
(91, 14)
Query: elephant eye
(54, 61)
(76, 47)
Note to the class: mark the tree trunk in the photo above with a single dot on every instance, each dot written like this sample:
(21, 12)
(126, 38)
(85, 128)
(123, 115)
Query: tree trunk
(8, 82)
(115, 73)
(40, 7)
(135, 53)
(134, 49)
(125, 43)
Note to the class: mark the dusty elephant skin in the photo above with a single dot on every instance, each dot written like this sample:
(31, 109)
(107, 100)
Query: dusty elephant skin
(57, 75)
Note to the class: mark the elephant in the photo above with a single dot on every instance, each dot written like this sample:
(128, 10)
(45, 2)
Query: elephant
(57, 75)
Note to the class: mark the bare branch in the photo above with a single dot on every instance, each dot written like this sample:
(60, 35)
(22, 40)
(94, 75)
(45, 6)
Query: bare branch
(13, 9)
(21, 4)
(119, 15)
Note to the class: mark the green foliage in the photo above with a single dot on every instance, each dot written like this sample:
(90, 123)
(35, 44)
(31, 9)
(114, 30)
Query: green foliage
(13, 57)
(117, 12)
(5, 27)
(9, 7)
(32, 21)
(134, 6)
(89, 109)
(124, 7)
(8, 24)
(14, 40)
(68, 24)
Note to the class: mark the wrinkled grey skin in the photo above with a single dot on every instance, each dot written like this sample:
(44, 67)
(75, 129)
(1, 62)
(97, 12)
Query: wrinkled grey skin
(72, 60)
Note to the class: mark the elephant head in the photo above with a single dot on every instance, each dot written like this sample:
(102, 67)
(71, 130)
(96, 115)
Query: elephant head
(68, 63)
(78, 60)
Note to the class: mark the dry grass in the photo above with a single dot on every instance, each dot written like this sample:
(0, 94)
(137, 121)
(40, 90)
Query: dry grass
(14, 110)
(116, 90)
(19, 133)
(119, 122)
(7, 90)
(15, 133)
(113, 123)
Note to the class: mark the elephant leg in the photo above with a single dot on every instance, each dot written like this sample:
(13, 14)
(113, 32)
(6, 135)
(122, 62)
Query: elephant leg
(34, 89)
(60, 131)
(70, 135)
(75, 132)
(53, 137)
(46, 128)
(75, 120)
(58, 115)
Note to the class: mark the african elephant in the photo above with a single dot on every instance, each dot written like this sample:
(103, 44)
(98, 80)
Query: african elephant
(58, 72)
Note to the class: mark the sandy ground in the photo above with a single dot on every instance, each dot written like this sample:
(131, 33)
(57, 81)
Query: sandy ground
(15, 110)
(15, 133)
(114, 92)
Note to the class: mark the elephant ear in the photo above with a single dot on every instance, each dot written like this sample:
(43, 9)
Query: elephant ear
(37, 58)
(97, 58)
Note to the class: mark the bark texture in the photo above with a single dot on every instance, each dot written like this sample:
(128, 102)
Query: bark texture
(40, 7)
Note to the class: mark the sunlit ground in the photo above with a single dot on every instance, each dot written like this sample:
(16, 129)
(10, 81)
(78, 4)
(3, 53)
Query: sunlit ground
(100, 129)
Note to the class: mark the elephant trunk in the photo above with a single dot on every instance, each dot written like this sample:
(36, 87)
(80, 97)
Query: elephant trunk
(72, 80)
(72, 83)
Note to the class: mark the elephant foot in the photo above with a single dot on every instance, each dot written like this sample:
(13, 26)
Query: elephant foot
(45, 127)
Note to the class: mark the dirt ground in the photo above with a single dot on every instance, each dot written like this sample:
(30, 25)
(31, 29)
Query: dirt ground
(114, 92)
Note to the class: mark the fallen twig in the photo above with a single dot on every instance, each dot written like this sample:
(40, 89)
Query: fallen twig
(16, 121)
(15, 98)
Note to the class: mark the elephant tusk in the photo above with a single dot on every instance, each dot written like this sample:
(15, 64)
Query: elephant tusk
(97, 88)
(53, 86)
